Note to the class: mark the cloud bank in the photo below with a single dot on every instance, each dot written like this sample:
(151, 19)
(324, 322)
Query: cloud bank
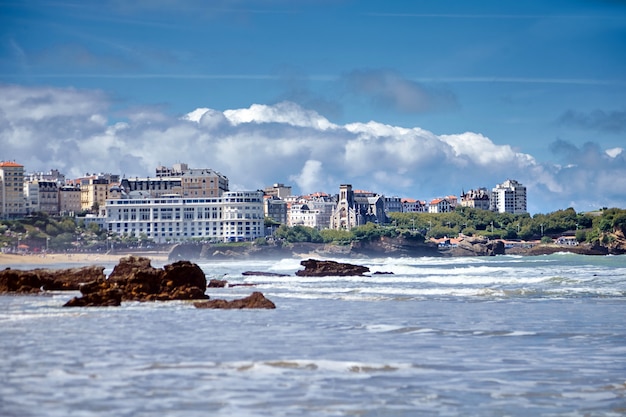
(78, 132)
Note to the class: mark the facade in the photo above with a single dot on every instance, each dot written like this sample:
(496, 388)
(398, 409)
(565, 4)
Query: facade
(442, 205)
(508, 197)
(69, 199)
(356, 208)
(275, 208)
(48, 192)
(393, 204)
(278, 190)
(410, 205)
(12, 203)
(179, 180)
(478, 199)
(94, 191)
(235, 216)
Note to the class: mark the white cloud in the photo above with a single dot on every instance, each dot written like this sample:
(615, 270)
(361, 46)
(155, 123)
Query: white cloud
(66, 129)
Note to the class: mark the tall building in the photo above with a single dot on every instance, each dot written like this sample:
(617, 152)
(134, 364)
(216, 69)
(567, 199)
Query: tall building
(12, 203)
(508, 197)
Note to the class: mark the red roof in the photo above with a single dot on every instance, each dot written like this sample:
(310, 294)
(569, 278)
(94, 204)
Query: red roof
(10, 164)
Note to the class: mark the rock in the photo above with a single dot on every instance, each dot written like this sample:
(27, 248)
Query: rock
(140, 281)
(17, 281)
(71, 279)
(315, 268)
(101, 293)
(478, 246)
(255, 300)
(263, 274)
(217, 283)
(33, 281)
(135, 279)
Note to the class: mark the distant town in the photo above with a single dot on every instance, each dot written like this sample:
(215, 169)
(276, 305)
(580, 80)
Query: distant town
(179, 203)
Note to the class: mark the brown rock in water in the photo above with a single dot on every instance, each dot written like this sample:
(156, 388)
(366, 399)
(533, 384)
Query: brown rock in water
(35, 280)
(263, 274)
(140, 281)
(217, 283)
(255, 300)
(315, 268)
(17, 281)
(72, 278)
(135, 279)
(101, 293)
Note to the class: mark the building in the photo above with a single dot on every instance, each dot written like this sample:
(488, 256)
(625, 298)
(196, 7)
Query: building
(12, 203)
(275, 208)
(410, 205)
(442, 205)
(478, 199)
(356, 208)
(393, 204)
(235, 216)
(48, 192)
(279, 190)
(508, 197)
(179, 180)
(69, 200)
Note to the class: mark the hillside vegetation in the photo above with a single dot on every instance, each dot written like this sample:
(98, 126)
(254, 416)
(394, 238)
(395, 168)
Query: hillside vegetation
(605, 227)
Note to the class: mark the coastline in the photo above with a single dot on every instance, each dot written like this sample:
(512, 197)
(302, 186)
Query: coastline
(9, 260)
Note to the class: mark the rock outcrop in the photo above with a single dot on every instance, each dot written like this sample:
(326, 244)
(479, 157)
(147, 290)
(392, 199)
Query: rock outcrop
(100, 293)
(316, 268)
(135, 279)
(477, 246)
(255, 300)
(36, 280)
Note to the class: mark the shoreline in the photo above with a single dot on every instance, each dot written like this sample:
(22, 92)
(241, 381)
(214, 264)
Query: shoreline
(10, 260)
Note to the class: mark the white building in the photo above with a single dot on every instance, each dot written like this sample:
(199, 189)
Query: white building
(235, 216)
(508, 197)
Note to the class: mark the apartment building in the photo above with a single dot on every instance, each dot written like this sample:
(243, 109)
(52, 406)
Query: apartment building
(69, 200)
(508, 197)
(235, 216)
(179, 180)
(279, 190)
(12, 203)
(411, 205)
(275, 208)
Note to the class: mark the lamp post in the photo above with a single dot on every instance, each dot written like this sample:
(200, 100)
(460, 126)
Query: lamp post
(47, 243)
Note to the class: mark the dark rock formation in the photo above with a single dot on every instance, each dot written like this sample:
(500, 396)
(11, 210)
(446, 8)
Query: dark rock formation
(16, 281)
(315, 268)
(134, 279)
(100, 293)
(477, 246)
(263, 274)
(218, 283)
(140, 281)
(255, 300)
(71, 279)
(33, 281)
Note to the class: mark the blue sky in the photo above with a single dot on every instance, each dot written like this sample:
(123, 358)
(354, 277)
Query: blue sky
(418, 98)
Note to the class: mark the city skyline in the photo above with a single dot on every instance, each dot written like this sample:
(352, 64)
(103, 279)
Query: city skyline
(416, 99)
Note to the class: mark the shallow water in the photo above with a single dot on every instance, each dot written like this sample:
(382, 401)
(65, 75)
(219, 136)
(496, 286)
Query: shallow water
(496, 336)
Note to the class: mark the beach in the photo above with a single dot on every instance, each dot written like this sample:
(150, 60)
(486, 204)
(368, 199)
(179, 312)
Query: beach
(50, 259)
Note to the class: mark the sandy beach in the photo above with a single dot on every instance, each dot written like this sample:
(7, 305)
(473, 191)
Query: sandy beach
(9, 260)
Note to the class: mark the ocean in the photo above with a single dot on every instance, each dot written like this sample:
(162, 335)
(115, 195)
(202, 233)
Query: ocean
(481, 336)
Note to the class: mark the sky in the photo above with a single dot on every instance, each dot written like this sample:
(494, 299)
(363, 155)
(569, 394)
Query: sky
(416, 99)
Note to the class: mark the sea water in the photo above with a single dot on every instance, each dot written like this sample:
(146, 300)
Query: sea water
(492, 336)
